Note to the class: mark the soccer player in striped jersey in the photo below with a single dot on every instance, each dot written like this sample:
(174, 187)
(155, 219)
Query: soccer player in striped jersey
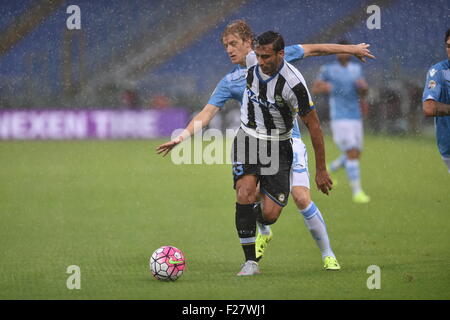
(237, 39)
(276, 92)
(436, 101)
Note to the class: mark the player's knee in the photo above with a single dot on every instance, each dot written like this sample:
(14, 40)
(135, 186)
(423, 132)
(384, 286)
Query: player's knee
(246, 195)
(302, 198)
(353, 154)
(302, 202)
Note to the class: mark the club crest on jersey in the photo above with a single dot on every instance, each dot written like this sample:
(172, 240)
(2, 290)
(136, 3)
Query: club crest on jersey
(431, 84)
(262, 102)
(433, 72)
(279, 100)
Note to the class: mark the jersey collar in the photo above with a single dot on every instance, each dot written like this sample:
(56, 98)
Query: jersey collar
(276, 73)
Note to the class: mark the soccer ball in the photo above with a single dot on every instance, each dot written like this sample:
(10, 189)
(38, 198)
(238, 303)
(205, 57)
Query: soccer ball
(167, 263)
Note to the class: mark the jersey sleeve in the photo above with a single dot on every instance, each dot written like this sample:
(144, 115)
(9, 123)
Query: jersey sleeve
(433, 86)
(221, 94)
(250, 59)
(294, 53)
(300, 99)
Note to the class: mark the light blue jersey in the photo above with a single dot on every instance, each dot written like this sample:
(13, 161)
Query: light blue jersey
(437, 88)
(344, 98)
(232, 86)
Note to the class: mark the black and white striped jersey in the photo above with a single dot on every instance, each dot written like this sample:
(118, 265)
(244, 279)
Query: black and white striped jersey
(270, 104)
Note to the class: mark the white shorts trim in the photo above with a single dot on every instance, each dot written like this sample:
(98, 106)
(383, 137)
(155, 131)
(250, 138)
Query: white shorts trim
(347, 134)
(299, 169)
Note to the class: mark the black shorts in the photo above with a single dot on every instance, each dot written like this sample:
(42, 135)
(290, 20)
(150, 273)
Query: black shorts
(269, 161)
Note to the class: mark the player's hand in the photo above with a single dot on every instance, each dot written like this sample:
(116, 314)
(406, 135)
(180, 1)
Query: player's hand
(166, 147)
(323, 181)
(361, 51)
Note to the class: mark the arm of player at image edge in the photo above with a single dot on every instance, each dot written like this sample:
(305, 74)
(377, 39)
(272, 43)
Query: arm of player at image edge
(201, 120)
(432, 93)
(361, 50)
(311, 121)
(433, 108)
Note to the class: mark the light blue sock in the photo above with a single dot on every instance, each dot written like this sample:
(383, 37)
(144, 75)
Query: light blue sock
(352, 169)
(314, 222)
(338, 163)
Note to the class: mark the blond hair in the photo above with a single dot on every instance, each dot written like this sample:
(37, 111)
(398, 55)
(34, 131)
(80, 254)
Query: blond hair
(239, 27)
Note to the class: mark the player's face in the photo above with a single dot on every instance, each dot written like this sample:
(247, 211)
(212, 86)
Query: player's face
(268, 60)
(447, 45)
(343, 58)
(237, 49)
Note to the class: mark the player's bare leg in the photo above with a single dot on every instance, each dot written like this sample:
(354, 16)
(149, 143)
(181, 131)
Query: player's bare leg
(316, 225)
(246, 189)
(271, 210)
(267, 212)
(353, 154)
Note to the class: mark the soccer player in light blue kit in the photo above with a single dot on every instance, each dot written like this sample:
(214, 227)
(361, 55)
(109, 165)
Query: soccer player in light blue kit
(345, 83)
(237, 39)
(436, 101)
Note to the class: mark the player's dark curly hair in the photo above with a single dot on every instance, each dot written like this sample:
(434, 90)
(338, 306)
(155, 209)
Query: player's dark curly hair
(447, 34)
(270, 37)
(239, 27)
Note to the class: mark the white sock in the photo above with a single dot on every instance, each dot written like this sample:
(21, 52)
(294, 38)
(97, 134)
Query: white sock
(263, 228)
(314, 221)
(338, 163)
(352, 169)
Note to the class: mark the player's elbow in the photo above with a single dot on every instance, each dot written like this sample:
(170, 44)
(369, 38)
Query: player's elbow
(429, 108)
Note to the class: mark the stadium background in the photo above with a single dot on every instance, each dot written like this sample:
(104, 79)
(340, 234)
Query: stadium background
(161, 55)
(169, 52)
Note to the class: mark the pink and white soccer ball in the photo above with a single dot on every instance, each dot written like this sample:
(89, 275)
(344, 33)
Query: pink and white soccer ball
(167, 263)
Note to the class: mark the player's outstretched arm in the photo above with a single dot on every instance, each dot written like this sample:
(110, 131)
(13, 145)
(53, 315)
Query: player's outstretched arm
(361, 51)
(323, 180)
(432, 108)
(201, 120)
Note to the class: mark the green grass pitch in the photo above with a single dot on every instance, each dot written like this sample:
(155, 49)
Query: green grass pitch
(106, 205)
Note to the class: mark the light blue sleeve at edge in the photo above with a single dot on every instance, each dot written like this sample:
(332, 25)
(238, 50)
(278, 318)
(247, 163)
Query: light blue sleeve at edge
(294, 53)
(432, 90)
